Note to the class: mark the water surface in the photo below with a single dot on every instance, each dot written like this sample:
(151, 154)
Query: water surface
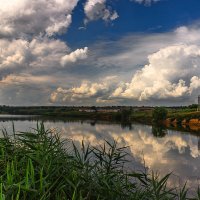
(157, 149)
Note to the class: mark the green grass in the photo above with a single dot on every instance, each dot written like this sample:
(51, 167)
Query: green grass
(179, 114)
(142, 116)
(38, 165)
(185, 115)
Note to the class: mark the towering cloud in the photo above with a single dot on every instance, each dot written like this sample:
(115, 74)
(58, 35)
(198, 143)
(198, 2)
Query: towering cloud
(172, 72)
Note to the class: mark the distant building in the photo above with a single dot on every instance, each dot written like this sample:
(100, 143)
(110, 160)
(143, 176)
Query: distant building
(101, 110)
(108, 110)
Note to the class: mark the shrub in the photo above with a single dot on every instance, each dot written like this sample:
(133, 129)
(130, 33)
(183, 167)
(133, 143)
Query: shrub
(159, 114)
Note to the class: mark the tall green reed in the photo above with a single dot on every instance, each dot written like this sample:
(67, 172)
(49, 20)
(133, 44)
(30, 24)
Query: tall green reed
(40, 165)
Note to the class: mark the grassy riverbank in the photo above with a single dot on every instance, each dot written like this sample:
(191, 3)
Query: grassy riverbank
(110, 113)
(39, 165)
(178, 114)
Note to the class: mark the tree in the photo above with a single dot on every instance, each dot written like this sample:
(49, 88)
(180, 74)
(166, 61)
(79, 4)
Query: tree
(159, 114)
(193, 106)
(125, 115)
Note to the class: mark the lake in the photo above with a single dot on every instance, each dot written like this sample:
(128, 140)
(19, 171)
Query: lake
(159, 150)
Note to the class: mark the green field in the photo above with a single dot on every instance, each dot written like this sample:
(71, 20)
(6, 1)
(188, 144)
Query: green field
(179, 114)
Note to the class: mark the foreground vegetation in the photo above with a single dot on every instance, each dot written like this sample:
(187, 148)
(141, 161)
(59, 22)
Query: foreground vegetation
(39, 165)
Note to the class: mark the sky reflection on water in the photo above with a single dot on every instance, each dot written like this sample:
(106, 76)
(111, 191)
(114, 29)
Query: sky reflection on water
(173, 151)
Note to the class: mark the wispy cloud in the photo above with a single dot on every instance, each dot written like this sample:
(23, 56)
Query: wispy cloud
(146, 2)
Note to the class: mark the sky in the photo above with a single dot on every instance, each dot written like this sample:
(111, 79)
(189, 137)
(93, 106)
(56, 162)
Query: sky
(99, 52)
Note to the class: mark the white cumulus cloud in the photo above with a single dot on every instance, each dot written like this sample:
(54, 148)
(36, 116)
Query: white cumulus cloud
(24, 17)
(97, 9)
(99, 91)
(78, 54)
(172, 72)
(161, 67)
(41, 53)
(85, 91)
(28, 52)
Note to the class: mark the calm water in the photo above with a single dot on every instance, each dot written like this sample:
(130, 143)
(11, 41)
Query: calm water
(165, 151)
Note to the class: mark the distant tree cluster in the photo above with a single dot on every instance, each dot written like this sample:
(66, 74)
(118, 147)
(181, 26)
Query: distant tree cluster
(193, 106)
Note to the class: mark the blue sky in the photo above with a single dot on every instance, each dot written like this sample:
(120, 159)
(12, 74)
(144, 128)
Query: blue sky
(99, 52)
(162, 16)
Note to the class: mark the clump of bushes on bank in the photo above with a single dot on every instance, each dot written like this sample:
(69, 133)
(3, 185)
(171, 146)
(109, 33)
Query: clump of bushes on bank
(39, 165)
(159, 114)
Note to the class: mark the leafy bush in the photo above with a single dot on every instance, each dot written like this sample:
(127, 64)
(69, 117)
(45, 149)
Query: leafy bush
(193, 106)
(159, 114)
